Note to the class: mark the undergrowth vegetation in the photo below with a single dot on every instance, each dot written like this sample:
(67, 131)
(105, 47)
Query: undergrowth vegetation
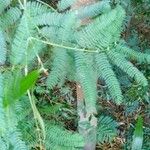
(74, 75)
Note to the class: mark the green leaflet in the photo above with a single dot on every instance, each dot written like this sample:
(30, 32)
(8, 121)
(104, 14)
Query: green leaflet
(4, 4)
(2, 116)
(103, 31)
(86, 78)
(105, 71)
(17, 85)
(10, 17)
(132, 54)
(16, 141)
(94, 10)
(127, 67)
(28, 81)
(59, 138)
(20, 42)
(63, 4)
(2, 48)
(50, 110)
(138, 135)
(57, 70)
(107, 129)
(36, 8)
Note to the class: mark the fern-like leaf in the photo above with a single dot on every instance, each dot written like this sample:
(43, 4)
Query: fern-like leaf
(10, 17)
(15, 139)
(51, 19)
(51, 33)
(64, 4)
(35, 9)
(94, 10)
(127, 67)
(62, 138)
(4, 4)
(85, 75)
(107, 129)
(20, 43)
(34, 48)
(132, 54)
(103, 31)
(3, 145)
(105, 71)
(59, 67)
(2, 114)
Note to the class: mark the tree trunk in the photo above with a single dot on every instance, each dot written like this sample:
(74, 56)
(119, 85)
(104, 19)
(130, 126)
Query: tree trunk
(87, 124)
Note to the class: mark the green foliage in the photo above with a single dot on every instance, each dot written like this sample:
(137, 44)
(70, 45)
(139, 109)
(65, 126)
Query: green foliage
(64, 4)
(86, 44)
(132, 54)
(105, 71)
(15, 140)
(16, 85)
(20, 41)
(138, 135)
(60, 57)
(59, 138)
(107, 129)
(35, 9)
(3, 5)
(2, 48)
(128, 68)
(99, 36)
(86, 78)
(94, 10)
(10, 17)
(10, 135)
(131, 108)
(2, 118)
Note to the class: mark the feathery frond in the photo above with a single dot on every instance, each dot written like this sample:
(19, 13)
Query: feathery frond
(20, 43)
(10, 17)
(85, 76)
(2, 113)
(107, 129)
(58, 137)
(35, 9)
(105, 72)
(59, 67)
(16, 142)
(64, 4)
(127, 67)
(4, 4)
(103, 31)
(93, 10)
(132, 54)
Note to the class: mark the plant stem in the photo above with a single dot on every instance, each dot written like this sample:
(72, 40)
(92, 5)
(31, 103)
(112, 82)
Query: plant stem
(87, 124)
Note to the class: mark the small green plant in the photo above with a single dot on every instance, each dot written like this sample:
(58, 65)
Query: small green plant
(138, 135)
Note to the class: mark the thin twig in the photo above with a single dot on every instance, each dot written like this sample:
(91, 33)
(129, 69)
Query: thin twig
(62, 46)
(19, 1)
(41, 63)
